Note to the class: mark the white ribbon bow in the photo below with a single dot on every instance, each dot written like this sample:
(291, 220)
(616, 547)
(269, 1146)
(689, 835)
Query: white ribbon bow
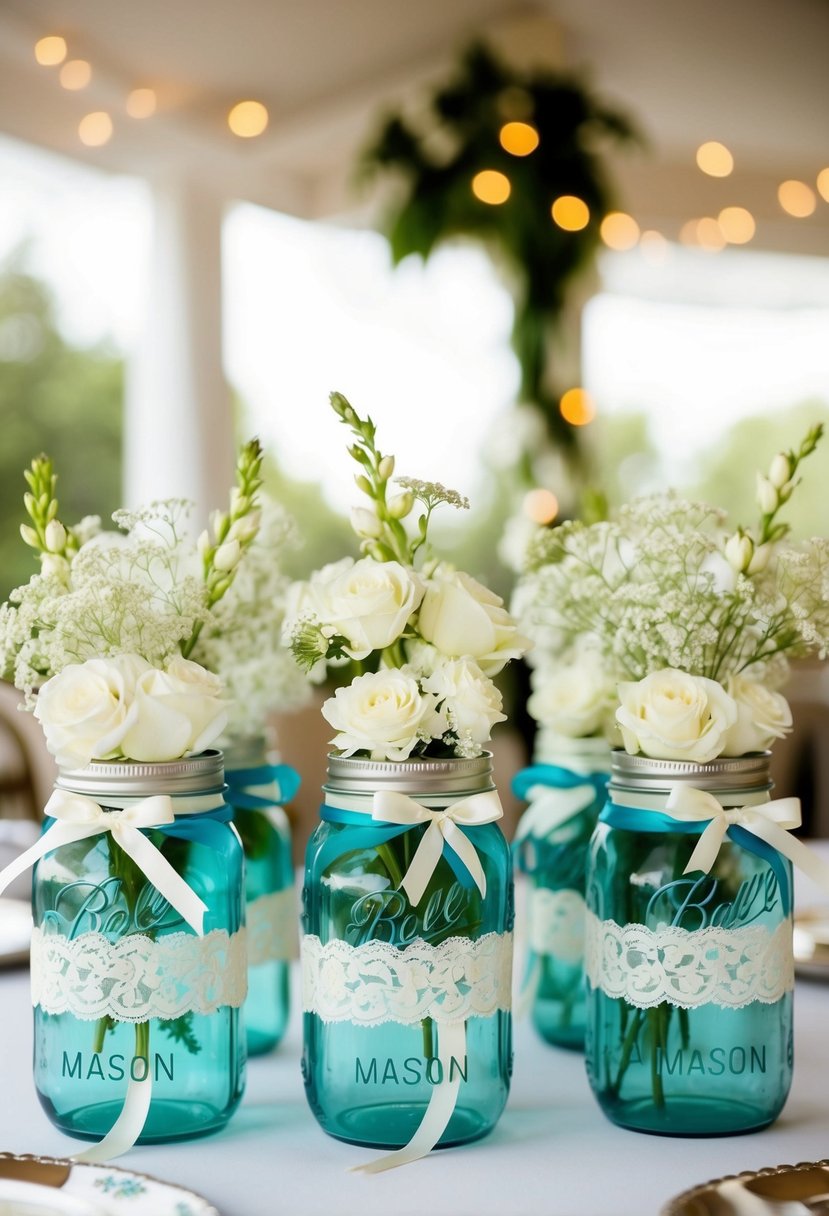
(78, 818)
(771, 822)
(392, 807)
(549, 807)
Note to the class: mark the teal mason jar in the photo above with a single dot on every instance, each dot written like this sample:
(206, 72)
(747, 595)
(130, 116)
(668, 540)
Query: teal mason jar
(125, 990)
(690, 972)
(566, 789)
(407, 954)
(256, 791)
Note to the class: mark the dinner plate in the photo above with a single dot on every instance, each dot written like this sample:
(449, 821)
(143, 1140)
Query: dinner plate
(784, 1190)
(54, 1186)
(811, 943)
(15, 932)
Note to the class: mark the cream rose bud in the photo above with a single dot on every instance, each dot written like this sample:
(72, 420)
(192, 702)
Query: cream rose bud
(227, 555)
(179, 712)
(767, 496)
(87, 709)
(461, 617)
(780, 470)
(365, 523)
(574, 700)
(762, 717)
(55, 536)
(369, 603)
(383, 713)
(671, 715)
(469, 699)
(739, 551)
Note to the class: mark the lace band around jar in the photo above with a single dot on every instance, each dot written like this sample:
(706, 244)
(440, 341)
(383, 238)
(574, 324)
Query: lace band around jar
(135, 978)
(689, 968)
(377, 982)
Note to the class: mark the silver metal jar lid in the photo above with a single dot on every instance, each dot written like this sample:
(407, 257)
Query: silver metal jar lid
(202, 774)
(249, 752)
(429, 779)
(637, 774)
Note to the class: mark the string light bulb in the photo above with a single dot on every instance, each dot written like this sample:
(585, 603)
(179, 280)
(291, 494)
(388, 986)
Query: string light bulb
(796, 198)
(75, 74)
(619, 231)
(50, 51)
(737, 225)
(541, 506)
(714, 159)
(823, 184)
(95, 129)
(490, 186)
(570, 213)
(141, 103)
(518, 138)
(247, 119)
(577, 407)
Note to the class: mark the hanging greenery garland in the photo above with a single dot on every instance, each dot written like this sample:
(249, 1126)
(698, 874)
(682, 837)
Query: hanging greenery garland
(514, 160)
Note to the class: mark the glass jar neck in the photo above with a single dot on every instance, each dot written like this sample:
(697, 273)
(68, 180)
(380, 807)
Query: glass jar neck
(640, 781)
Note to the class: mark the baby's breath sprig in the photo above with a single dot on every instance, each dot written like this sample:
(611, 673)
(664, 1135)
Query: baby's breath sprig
(430, 494)
(46, 533)
(233, 532)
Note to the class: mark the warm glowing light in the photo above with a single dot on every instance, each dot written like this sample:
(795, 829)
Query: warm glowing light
(653, 246)
(619, 231)
(541, 506)
(709, 235)
(736, 224)
(796, 198)
(248, 119)
(823, 184)
(570, 213)
(50, 51)
(518, 138)
(715, 159)
(490, 186)
(75, 74)
(688, 232)
(141, 103)
(577, 407)
(95, 129)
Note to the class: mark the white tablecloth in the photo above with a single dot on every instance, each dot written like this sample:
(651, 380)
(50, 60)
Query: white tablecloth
(552, 1154)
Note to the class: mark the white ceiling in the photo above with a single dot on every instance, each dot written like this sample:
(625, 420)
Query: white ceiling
(749, 72)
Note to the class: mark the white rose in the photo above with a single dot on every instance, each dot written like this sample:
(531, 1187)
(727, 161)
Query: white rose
(88, 708)
(383, 713)
(470, 700)
(461, 618)
(368, 602)
(762, 717)
(671, 715)
(179, 711)
(573, 700)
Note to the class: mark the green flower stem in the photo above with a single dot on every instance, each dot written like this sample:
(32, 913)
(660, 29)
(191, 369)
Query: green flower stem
(428, 1026)
(657, 1026)
(386, 853)
(628, 1044)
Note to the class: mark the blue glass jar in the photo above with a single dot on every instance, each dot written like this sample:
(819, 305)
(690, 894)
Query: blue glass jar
(124, 989)
(566, 790)
(256, 790)
(690, 975)
(406, 985)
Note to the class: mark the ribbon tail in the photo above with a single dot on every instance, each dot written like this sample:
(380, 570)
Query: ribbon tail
(459, 842)
(58, 834)
(707, 847)
(797, 852)
(123, 1134)
(161, 874)
(422, 867)
(442, 1103)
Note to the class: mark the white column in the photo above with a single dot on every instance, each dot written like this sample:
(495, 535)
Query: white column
(179, 440)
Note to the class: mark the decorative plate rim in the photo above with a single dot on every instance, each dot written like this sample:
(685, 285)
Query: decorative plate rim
(673, 1208)
(41, 1159)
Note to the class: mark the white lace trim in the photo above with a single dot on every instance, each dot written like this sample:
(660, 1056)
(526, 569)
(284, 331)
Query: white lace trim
(136, 978)
(689, 968)
(273, 932)
(556, 923)
(377, 982)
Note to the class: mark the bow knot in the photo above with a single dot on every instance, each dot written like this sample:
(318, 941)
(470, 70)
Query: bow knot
(77, 818)
(443, 831)
(771, 822)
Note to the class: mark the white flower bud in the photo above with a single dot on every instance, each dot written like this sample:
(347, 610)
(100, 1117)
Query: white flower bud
(227, 555)
(239, 502)
(365, 523)
(55, 536)
(218, 522)
(767, 496)
(386, 467)
(400, 506)
(203, 543)
(30, 536)
(780, 470)
(739, 551)
(760, 559)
